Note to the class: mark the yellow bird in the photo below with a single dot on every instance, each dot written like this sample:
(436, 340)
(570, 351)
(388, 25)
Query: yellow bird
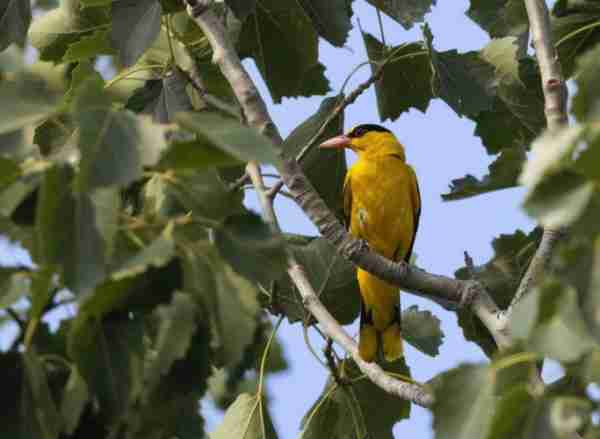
(382, 205)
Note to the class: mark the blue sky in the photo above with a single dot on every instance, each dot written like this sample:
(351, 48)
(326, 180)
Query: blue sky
(440, 146)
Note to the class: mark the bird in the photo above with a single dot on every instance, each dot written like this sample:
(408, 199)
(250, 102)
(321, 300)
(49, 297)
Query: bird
(382, 205)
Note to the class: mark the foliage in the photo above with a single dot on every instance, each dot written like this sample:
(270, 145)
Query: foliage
(121, 191)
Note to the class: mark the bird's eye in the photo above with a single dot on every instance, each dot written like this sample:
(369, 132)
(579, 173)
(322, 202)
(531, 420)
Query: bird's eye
(359, 132)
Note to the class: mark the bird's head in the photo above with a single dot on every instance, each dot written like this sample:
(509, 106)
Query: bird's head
(367, 140)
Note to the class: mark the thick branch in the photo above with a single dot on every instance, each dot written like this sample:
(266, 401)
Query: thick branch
(555, 108)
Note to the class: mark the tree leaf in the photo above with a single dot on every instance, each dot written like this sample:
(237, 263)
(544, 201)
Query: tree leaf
(246, 418)
(135, 26)
(575, 31)
(330, 274)
(325, 169)
(406, 82)
(501, 276)
(249, 245)
(422, 330)
(195, 155)
(241, 8)
(331, 18)
(586, 103)
(464, 402)
(503, 173)
(407, 13)
(88, 47)
(74, 400)
(176, 327)
(284, 45)
(503, 54)
(360, 410)
(501, 18)
(14, 284)
(230, 136)
(511, 413)
(9, 172)
(465, 81)
(15, 17)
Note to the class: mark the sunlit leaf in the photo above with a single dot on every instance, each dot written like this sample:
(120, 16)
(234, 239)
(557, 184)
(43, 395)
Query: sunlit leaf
(246, 418)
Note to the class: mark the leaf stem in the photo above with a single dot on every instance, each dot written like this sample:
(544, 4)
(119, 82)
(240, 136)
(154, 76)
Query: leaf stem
(265, 355)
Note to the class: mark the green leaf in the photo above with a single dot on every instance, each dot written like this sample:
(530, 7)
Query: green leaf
(74, 400)
(501, 18)
(14, 284)
(249, 245)
(325, 169)
(407, 13)
(465, 81)
(9, 172)
(246, 418)
(503, 54)
(551, 323)
(176, 327)
(329, 273)
(503, 173)
(586, 103)
(568, 415)
(53, 133)
(241, 8)
(511, 413)
(195, 155)
(464, 402)
(331, 18)
(360, 410)
(108, 140)
(24, 102)
(575, 31)
(162, 98)
(284, 45)
(501, 276)
(88, 47)
(108, 353)
(135, 26)
(15, 16)
(422, 330)
(230, 136)
(406, 81)
(44, 419)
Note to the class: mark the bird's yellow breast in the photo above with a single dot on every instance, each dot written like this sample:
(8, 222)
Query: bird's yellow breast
(383, 204)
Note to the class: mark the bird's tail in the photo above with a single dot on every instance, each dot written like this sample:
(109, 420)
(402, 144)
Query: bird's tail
(379, 319)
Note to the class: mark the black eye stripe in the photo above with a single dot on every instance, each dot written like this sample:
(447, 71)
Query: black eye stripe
(361, 130)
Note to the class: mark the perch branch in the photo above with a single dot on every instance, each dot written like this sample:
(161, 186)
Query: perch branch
(555, 108)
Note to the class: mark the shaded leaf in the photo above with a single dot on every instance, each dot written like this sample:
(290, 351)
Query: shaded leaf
(14, 284)
(241, 8)
(406, 82)
(15, 16)
(511, 413)
(284, 45)
(9, 172)
(195, 155)
(230, 136)
(325, 168)
(501, 18)
(464, 81)
(246, 418)
(88, 47)
(74, 400)
(422, 330)
(407, 13)
(503, 173)
(359, 410)
(52, 134)
(249, 245)
(586, 103)
(135, 26)
(331, 18)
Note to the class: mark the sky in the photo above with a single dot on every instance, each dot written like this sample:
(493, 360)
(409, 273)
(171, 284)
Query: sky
(441, 147)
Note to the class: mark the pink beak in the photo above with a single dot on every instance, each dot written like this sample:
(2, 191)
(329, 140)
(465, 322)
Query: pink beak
(336, 142)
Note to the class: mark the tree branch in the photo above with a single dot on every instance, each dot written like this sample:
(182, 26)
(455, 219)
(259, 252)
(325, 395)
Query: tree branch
(401, 274)
(555, 108)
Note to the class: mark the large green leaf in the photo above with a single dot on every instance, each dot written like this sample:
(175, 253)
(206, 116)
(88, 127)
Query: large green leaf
(284, 45)
(195, 154)
(330, 274)
(501, 276)
(230, 136)
(575, 30)
(246, 418)
(326, 168)
(503, 173)
(406, 81)
(135, 26)
(89, 46)
(551, 323)
(15, 16)
(405, 12)
(465, 81)
(422, 330)
(331, 18)
(361, 409)
(586, 103)
(501, 18)
(249, 245)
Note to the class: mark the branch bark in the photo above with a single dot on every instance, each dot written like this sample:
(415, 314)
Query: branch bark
(555, 108)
